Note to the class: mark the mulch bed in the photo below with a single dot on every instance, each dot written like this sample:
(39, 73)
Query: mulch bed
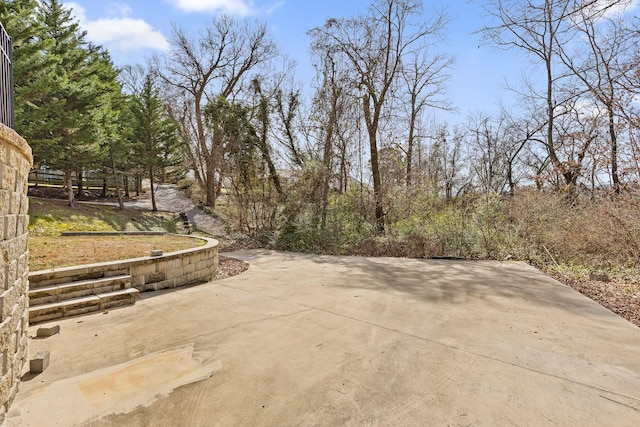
(228, 267)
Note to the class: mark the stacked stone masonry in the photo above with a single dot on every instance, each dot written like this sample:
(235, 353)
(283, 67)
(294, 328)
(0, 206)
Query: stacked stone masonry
(171, 270)
(15, 162)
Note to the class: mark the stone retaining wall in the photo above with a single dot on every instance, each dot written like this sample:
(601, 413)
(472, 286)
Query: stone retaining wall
(171, 270)
(15, 163)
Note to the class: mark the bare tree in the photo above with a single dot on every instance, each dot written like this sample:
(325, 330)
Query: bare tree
(375, 44)
(602, 65)
(262, 114)
(333, 91)
(287, 104)
(498, 144)
(632, 115)
(217, 63)
(488, 152)
(578, 131)
(328, 126)
(424, 77)
(542, 28)
(445, 162)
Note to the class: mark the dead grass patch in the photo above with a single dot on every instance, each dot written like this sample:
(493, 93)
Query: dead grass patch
(57, 251)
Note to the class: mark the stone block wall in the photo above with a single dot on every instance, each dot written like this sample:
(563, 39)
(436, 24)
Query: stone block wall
(15, 162)
(171, 270)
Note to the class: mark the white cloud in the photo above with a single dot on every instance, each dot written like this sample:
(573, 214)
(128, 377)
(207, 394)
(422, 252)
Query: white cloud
(232, 7)
(119, 9)
(620, 8)
(125, 34)
(78, 10)
(632, 5)
(119, 32)
(277, 5)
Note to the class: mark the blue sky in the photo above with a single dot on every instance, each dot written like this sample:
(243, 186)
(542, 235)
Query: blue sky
(134, 29)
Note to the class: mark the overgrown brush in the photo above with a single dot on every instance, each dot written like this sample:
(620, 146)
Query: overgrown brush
(602, 233)
(538, 227)
(541, 227)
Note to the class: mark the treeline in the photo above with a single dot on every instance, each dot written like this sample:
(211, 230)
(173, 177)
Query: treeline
(70, 103)
(354, 160)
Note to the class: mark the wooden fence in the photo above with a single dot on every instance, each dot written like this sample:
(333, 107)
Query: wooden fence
(93, 181)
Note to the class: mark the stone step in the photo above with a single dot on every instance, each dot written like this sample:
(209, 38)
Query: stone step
(82, 305)
(82, 288)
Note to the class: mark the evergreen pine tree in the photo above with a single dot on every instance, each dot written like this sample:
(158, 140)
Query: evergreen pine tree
(155, 138)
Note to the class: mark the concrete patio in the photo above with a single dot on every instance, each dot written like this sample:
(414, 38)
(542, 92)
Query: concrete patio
(303, 340)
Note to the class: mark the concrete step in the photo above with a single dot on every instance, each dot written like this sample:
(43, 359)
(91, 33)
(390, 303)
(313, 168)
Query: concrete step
(82, 288)
(82, 305)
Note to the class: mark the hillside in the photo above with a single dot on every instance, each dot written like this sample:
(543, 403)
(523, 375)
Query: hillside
(50, 217)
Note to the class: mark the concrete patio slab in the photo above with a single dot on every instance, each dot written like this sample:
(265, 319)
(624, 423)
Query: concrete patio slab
(317, 340)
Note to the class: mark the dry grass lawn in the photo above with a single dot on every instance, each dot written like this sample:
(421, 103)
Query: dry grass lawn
(56, 251)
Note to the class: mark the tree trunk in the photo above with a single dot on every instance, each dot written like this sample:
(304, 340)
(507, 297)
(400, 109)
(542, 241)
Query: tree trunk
(326, 155)
(372, 126)
(126, 186)
(80, 177)
(153, 191)
(116, 183)
(264, 146)
(377, 188)
(210, 160)
(326, 176)
(210, 181)
(344, 173)
(512, 186)
(412, 126)
(68, 179)
(614, 152)
(104, 187)
(551, 150)
(273, 173)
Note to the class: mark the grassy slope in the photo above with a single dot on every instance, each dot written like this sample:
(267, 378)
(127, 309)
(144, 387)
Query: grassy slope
(50, 217)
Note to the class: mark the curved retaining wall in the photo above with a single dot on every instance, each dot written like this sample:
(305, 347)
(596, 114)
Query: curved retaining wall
(15, 163)
(171, 270)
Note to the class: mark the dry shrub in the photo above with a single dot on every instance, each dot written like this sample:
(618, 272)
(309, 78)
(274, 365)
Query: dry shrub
(544, 228)
(606, 232)
(416, 246)
(602, 233)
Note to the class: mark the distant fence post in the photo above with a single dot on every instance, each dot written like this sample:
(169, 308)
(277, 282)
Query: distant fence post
(6, 80)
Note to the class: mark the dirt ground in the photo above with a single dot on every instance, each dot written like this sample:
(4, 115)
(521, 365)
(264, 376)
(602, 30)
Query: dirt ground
(61, 251)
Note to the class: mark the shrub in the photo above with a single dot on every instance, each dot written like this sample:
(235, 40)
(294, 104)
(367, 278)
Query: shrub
(602, 233)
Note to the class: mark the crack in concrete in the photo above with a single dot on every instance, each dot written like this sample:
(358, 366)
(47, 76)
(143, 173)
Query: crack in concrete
(432, 341)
